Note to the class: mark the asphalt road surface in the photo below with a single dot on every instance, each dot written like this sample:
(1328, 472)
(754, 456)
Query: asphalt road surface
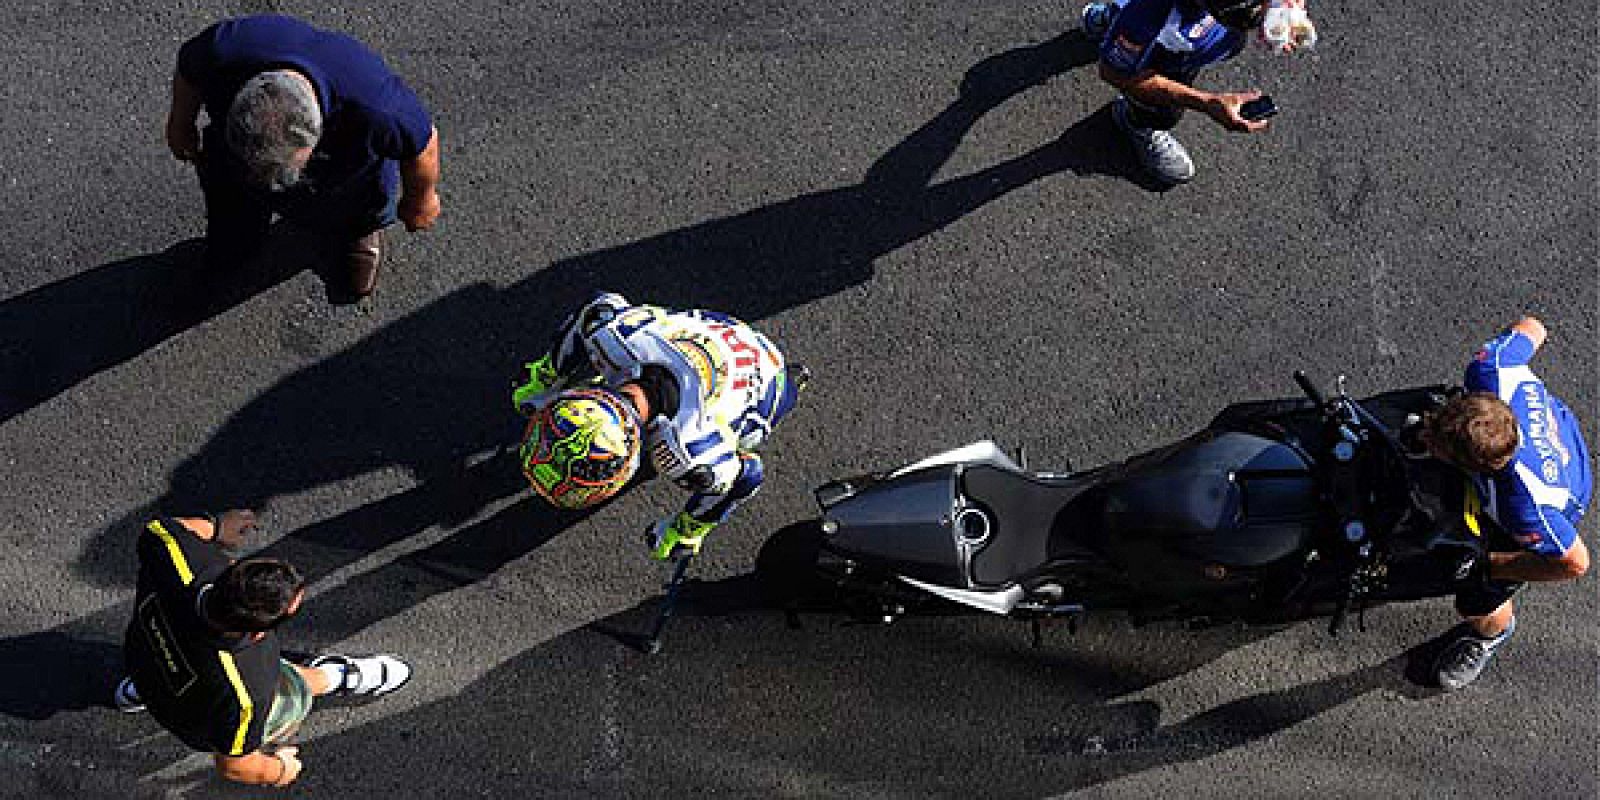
(927, 204)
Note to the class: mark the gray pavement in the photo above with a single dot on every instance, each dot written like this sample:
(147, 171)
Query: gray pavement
(922, 201)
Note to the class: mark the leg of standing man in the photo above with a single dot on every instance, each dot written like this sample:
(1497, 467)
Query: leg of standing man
(237, 217)
(350, 217)
(1149, 129)
(1489, 616)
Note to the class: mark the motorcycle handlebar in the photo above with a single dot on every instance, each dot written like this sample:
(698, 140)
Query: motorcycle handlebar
(1310, 389)
(1343, 489)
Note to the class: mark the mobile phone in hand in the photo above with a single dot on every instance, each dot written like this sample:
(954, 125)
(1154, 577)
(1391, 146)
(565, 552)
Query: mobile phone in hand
(1258, 109)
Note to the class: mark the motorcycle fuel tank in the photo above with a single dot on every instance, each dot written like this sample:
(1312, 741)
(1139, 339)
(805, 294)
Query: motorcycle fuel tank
(1226, 499)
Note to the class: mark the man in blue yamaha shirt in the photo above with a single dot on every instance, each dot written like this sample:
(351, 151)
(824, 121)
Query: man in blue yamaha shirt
(1524, 449)
(1152, 51)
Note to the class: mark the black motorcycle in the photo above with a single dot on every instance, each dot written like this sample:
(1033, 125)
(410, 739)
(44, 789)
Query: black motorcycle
(1276, 511)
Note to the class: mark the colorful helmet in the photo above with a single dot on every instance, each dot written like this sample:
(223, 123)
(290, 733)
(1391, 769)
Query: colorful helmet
(581, 449)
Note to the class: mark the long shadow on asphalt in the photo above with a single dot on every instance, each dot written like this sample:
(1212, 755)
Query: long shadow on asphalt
(745, 700)
(55, 337)
(428, 392)
(744, 703)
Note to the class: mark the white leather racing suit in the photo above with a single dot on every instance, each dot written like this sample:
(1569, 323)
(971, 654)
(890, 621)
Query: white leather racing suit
(718, 386)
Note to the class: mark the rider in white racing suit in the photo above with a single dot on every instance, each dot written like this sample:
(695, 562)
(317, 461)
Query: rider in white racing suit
(708, 389)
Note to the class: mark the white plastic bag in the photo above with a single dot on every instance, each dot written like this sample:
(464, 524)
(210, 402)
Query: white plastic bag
(1286, 27)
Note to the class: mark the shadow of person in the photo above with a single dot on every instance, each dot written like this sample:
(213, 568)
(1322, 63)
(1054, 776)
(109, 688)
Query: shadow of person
(740, 702)
(1090, 147)
(428, 393)
(461, 558)
(57, 670)
(56, 336)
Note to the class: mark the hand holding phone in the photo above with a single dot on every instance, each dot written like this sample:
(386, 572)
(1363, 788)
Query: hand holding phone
(1258, 109)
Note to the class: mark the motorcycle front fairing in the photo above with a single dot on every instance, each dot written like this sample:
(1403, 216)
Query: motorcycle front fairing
(1449, 528)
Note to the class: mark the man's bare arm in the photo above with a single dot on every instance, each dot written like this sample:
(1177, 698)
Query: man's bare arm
(199, 526)
(1532, 567)
(1152, 88)
(1533, 329)
(261, 769)
(183, 134)
(419, 179)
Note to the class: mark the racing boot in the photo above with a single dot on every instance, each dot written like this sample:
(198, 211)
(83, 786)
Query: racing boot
(1159, 152)
(1465, 658)
(364, 676)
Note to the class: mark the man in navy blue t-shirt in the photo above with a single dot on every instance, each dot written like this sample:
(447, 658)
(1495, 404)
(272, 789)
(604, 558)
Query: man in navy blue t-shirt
(308, 124)
(1152, 51)
(1531, 465)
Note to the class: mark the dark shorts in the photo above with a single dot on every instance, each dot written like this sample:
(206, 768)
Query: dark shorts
(363, 200)
(1480, 601)
(1483, 599)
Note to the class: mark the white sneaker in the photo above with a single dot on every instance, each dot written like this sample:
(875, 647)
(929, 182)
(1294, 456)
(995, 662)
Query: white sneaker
(1161, 154)
(367, 676)
(127, 698)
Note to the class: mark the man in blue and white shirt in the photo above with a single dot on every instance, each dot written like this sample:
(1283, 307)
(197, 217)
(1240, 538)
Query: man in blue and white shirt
(1152, 51)
(1531, 466)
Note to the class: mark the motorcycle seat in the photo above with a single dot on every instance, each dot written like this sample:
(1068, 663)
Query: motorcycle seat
(1025, 512)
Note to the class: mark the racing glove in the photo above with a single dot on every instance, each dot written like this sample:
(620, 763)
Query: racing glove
(675, 537)
(1286, 27)
(542, 378)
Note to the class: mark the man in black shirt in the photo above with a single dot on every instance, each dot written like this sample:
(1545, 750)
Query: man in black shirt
(203, 657)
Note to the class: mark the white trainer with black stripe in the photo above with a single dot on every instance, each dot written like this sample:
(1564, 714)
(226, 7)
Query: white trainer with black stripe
(366, 676)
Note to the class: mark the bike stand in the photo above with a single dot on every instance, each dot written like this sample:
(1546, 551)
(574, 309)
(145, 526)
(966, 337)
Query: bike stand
(652, 643)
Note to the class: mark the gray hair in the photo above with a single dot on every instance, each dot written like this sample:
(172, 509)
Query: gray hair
(273, 117)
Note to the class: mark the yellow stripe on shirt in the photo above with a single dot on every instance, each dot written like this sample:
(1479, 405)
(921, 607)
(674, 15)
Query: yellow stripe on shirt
(245, 706)
(178, 561)
(1471, 507)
